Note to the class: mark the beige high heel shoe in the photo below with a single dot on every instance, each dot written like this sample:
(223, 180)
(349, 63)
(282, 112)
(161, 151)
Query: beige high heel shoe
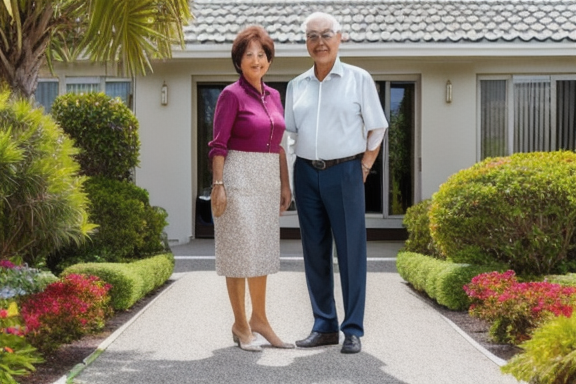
(280, 346)
(251, 346)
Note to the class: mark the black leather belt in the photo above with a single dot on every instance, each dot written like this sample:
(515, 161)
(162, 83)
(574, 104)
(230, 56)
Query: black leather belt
(325, 164)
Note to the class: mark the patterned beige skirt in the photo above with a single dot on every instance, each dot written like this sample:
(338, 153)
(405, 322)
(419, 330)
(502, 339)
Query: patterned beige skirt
(247, 234)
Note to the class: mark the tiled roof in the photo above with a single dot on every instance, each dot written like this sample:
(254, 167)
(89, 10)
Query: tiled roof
(401, 21)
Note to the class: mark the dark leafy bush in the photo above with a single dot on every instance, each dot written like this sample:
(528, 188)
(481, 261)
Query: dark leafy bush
(129, 227)
(104, 129)
(130, 281)
(519, 210)
(417, 224)
(42, 204)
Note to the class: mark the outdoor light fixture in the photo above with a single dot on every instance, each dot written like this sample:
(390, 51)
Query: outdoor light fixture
(164, 94)
(448, 91)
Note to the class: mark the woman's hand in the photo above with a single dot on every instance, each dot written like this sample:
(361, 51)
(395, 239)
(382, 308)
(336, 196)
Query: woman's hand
(218, 200)
(285, 198)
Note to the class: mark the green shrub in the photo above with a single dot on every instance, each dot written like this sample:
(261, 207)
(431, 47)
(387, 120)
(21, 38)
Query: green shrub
(549, 357)
(519, 210)
(129, 227)
(417, 224)
(441, 280)
(42, 204)
(104, 129)
(130, 281)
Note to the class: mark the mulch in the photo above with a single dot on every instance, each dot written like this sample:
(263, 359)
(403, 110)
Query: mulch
(62, 361)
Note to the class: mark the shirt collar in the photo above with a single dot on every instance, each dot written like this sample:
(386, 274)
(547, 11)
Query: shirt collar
(337, 69)
(249, 88)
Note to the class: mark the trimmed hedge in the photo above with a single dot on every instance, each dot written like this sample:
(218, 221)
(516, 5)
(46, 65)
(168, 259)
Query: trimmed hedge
(130, 281)
(442, 280)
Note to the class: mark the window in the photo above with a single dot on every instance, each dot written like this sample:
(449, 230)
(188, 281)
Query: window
(46, 92)
(48, 89)
(527, 114)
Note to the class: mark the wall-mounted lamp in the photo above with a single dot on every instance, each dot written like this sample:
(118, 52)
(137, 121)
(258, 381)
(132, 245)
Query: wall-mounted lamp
(448, 91)
(164, 94)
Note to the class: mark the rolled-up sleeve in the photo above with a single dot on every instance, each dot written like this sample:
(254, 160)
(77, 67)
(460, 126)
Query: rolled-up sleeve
(224, 117)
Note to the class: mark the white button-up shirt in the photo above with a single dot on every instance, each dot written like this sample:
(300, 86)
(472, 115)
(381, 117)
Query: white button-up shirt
(332, 118)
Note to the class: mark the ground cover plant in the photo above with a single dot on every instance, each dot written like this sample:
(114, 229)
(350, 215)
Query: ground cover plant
(515, 309)
(66, 310)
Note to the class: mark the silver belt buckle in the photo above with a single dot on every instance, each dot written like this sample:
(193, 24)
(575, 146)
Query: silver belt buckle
(319, 164)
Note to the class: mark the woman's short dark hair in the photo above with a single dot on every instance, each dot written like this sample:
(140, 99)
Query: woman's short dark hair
(244, 38)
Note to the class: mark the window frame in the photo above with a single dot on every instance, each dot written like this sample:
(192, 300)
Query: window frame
(512, 79)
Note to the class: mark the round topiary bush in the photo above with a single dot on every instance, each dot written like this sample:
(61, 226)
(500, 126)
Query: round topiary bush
(518, 210)
(42, 203)
(104, 129)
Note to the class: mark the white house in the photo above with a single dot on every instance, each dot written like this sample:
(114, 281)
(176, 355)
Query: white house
(459, 81)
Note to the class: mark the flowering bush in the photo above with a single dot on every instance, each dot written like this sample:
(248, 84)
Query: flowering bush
(16, 355)
(20, 280)
(515, 309)
(65, 311)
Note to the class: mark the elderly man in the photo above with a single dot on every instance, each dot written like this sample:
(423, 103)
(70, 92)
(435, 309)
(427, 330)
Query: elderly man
(335, 110)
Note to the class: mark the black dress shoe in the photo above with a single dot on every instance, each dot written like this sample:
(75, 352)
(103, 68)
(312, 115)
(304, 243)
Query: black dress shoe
(351, 344)
(316, 339)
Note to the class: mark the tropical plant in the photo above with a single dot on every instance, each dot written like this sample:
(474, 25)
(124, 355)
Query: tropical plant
(126, 31)
(42, 204)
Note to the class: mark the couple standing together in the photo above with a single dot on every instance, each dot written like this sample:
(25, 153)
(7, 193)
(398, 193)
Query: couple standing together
(335, 111)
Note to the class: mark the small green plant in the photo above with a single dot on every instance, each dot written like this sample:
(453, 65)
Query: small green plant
(104, 129)
(17, 356)
(42, 203)
(65, 311)
(549, 357)
(518, 210)
(515, 309)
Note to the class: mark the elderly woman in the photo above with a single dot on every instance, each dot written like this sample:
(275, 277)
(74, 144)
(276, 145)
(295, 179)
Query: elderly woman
(250, 186)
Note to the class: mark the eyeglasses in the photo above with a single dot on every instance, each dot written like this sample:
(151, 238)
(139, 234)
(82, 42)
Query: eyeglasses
(314, 37)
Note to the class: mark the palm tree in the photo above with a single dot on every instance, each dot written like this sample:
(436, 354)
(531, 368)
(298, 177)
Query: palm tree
(131, 32)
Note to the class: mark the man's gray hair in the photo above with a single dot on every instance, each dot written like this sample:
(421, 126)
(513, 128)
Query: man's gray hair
(335, 25)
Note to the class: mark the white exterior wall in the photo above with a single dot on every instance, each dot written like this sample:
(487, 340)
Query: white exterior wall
(447, 132)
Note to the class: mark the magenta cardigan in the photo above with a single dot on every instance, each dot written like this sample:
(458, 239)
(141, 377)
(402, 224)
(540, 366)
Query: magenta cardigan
(247, 121)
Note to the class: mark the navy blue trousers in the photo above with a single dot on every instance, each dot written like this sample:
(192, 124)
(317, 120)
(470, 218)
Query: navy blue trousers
(331, 208)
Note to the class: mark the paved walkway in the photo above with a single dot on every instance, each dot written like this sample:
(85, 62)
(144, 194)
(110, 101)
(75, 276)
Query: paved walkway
(184, 335)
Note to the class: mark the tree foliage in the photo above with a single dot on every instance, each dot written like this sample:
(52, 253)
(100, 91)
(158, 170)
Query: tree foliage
(126, 31)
